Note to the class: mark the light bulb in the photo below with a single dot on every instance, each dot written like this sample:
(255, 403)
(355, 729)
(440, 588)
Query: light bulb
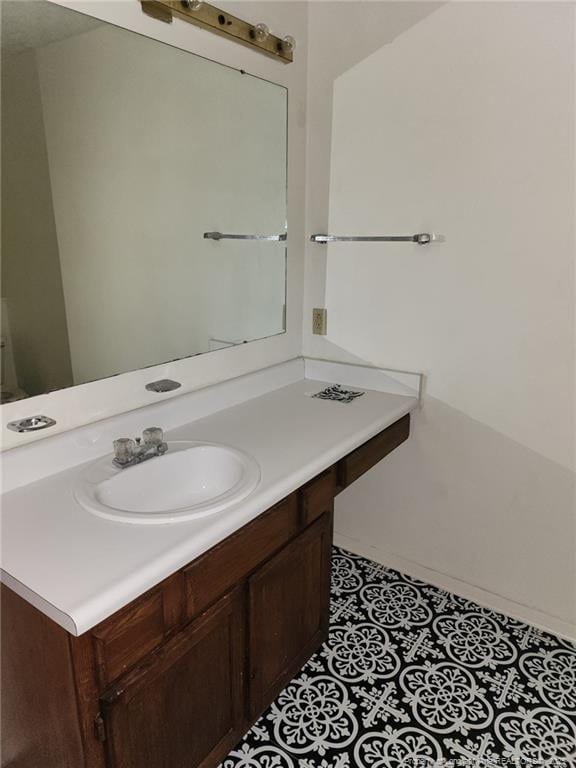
(261, 32)
(289, 43)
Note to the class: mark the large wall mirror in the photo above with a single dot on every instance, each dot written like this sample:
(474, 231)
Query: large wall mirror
(118, 154)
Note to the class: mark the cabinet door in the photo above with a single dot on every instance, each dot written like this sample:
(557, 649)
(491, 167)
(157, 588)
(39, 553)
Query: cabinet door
(184, 706)
(288, 611)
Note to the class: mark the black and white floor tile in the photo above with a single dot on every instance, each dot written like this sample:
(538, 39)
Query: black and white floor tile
(414, 677)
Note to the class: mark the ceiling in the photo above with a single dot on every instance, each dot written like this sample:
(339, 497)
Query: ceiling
(36, 23)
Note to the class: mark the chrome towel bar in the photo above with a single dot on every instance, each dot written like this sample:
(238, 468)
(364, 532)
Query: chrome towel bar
(423, 238)
(222, 236)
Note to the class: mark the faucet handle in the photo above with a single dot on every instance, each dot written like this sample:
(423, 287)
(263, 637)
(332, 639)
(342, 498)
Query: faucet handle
(124, 448)
(153, 436)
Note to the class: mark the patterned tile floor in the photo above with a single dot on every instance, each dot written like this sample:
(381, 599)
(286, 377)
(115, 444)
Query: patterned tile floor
(414, 677)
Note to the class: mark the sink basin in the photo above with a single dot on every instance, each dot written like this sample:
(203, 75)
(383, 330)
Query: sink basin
(191, 480)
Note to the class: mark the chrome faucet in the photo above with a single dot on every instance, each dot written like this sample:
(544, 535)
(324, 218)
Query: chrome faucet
(128, 451)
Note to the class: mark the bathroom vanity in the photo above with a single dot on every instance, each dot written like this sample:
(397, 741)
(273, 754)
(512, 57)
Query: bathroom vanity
(176, 677)
(151, 612)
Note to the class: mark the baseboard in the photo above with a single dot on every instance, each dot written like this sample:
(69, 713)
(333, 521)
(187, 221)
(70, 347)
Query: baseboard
(532, 616)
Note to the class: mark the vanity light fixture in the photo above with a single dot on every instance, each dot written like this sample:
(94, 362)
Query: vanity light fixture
(207, 16)
(261, 32)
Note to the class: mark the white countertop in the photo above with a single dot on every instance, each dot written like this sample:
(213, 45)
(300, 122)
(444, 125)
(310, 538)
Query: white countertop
(79, 569)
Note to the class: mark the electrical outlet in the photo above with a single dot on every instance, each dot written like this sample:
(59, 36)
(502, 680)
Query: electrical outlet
(319, 321)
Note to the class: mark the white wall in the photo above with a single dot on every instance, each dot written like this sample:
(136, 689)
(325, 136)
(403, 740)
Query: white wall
(464, 124)
(90, 402)
(355, 29)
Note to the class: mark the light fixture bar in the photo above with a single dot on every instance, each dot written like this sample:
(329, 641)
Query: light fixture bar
(209, 17)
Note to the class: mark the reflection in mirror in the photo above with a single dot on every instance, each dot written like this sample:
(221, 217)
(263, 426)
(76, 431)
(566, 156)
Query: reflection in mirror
(118, 154)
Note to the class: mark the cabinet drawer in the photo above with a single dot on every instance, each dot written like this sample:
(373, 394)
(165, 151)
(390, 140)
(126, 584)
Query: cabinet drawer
(317, 496)
(364, 458)
(126, 637)
(233, 559)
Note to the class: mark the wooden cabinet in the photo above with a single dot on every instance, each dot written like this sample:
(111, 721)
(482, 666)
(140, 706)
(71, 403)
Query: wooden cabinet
(129, 636)
(288, 611)
(229, 562)
(176, 677)
(39, 722)
(185, 706)
(317, 496)
(355, 464)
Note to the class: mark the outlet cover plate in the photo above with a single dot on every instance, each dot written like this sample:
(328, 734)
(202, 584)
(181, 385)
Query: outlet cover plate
(319, 321)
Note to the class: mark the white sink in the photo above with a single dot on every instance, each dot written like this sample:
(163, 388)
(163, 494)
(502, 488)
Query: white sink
(191, 480)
